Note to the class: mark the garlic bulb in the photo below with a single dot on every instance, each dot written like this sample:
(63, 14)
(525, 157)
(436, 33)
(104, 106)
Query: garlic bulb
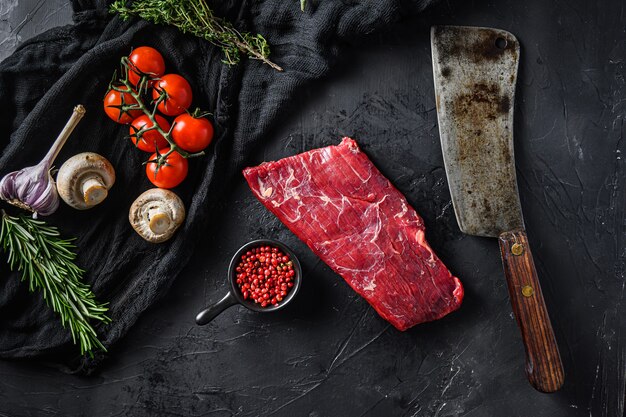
(33, 188)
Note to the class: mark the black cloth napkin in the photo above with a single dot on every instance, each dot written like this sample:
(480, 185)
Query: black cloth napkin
(47, 76)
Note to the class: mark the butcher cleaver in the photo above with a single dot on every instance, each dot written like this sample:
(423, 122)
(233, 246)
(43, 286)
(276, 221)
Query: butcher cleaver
(475, 71)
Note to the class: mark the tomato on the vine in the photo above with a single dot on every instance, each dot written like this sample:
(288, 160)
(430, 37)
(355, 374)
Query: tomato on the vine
(145, 60)
(177, 91)
(192, 134)
(116, 106)
(170, 174)
(151, 140)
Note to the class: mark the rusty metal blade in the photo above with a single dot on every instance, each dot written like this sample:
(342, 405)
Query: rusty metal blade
(475, 71)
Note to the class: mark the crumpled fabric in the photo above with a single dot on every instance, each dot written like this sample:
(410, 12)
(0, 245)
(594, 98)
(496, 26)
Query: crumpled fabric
(51, 73)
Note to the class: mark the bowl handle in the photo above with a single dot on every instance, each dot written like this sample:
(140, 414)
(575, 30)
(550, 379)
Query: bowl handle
(216, 309)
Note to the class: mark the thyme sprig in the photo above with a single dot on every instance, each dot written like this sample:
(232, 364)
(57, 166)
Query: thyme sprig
(197, 18)
(46, 262)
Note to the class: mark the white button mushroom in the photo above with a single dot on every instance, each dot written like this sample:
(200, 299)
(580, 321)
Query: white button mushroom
(85, 179)
(156, 214)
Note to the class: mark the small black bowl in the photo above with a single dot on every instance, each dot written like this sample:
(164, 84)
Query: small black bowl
(234, 295)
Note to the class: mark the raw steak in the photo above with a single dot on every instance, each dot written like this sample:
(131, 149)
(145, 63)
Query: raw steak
(356, 221)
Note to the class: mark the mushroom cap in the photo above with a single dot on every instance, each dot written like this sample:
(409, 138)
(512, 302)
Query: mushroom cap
(84, 180)
(157, 214)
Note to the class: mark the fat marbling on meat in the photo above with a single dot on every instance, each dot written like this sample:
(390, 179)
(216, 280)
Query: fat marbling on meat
(358, 223)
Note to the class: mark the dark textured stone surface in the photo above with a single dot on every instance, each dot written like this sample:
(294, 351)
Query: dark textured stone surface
(22, 19)
(329, 354)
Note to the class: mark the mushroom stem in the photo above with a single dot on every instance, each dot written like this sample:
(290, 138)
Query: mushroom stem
(94, 191)
(159, 220)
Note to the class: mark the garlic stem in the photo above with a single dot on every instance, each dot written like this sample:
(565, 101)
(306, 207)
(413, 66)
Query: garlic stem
(78, 113)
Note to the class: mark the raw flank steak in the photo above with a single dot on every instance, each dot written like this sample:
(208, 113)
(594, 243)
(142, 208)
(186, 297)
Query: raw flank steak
(356, 221)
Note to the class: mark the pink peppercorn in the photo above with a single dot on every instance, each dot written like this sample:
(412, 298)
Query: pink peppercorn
(265, 275)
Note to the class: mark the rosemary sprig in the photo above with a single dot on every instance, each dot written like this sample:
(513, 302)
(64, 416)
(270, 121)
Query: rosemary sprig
(195, 17)
(47, 263)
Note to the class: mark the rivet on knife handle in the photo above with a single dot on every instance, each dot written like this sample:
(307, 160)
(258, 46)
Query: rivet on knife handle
(543, 361)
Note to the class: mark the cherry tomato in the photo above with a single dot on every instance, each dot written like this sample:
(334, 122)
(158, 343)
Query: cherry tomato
(192, 134)
(151, 140)
(113, 102)
(169, 175)
(145, 60)
(178, 93)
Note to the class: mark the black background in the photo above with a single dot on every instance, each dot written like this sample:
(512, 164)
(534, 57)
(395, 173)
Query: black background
(329, 354)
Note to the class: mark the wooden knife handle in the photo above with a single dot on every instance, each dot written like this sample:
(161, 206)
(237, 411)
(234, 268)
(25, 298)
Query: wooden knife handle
(543, 361)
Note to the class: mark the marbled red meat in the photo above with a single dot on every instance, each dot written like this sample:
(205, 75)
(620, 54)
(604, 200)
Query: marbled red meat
(356, 221)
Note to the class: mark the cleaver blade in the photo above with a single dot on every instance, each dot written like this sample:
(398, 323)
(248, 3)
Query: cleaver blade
(475, 72)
